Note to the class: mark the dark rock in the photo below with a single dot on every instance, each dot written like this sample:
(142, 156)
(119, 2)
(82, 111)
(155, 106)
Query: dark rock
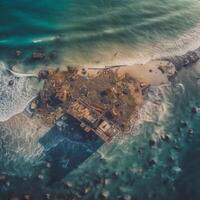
(152, 142)
(183, 124)
(152, 162)
(177, 148)
(194, 110)
(43, 74)
(11, 82)
(166, 138)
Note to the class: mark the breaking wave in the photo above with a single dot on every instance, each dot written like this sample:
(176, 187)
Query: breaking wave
(15, 93)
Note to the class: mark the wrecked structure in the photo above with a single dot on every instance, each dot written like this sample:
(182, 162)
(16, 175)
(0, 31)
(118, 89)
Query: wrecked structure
(104, 103)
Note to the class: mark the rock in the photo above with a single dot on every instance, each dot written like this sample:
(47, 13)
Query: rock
(38, 55)
(33, 105)
(26, 197)
(126, 197)
(47, 196)
(194, 110)
(152, 162)
(68, 184)
(41, 177)
(191, 131)
(176, 147)
(183, 124)
(166, 138)
(2, 178)
(152, 142)
(107, 181)
(8, 184)
(48, 165)
(18, 53)
(11, 82)
(105, 194)
(43, 74)
(171, 159)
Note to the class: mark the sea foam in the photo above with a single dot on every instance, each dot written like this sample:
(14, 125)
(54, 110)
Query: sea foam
(15, 96)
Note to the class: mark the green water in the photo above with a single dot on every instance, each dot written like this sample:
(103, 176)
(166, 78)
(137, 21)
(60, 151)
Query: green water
(99, 32)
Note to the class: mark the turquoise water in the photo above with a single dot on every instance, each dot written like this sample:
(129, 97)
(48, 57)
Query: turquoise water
(100, 32)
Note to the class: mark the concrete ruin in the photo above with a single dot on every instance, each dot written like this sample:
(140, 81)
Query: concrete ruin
(104, 103)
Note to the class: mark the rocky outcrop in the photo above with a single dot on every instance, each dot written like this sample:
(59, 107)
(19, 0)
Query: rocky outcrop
(185, 60)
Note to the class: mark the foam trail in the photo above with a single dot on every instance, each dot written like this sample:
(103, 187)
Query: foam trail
(20, 150)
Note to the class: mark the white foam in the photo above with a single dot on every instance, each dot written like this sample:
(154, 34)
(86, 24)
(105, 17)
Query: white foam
(14, 98)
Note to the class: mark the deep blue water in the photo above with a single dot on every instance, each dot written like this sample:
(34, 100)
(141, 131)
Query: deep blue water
(61, 161)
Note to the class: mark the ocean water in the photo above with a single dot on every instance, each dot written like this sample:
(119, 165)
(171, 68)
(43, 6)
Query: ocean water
(60, 161)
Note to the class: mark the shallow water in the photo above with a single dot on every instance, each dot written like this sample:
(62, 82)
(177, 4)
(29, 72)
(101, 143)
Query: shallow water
(100, 32)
